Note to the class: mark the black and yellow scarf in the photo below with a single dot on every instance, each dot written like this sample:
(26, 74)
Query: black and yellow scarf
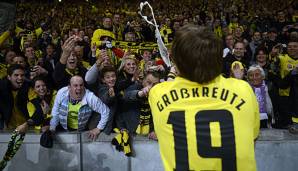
(72, 72)
(121, 141)
(13, 146)
(145, 118)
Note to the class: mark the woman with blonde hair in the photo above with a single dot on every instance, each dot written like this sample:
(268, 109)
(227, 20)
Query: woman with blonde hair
(127, 75)
(128, 72)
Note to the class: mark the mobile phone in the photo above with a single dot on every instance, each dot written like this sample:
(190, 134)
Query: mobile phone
(34, 68)
(153, 67)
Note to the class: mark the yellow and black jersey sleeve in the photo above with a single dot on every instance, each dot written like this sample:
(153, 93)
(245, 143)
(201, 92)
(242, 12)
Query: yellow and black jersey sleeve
(205, 127)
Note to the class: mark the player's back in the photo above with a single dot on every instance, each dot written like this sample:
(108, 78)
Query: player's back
(205, 127)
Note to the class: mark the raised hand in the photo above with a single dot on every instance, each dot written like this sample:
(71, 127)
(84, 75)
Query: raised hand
(237, 72)
(67, 47)
(127, 53)
(45, 107)
(100, 61)
(144, 92)
(103, 53)
(93, 50)
(111, 92)
(69, 44)
(160, 68)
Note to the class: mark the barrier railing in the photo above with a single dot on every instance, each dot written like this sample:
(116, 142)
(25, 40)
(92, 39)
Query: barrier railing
(276, 150)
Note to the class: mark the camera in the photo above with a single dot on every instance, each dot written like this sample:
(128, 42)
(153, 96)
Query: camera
(27, 32)
(155, 54)
(34, 68)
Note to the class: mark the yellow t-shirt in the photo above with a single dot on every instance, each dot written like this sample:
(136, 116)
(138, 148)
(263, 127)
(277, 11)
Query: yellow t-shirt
(205, 127)
(72, 118)
(287, 64)
(17, 118)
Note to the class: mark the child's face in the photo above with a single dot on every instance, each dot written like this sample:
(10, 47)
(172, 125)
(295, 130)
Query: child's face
(261, 56)
(146, 55)
(150, 81)
(109, 78)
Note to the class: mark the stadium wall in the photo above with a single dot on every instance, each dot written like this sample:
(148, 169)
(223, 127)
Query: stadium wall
(276, 150)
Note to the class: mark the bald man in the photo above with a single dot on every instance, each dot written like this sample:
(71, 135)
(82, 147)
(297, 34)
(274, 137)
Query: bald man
(73, 107)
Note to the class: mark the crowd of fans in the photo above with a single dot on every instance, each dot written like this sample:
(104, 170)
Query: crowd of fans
(106, 47)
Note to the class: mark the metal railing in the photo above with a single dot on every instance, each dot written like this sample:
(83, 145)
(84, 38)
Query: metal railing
(275, 150)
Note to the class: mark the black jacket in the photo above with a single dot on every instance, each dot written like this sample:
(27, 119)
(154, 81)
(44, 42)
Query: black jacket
(38, 116)
(130, 109)
(112, 103)
(292, 81)
(123, 81)
(50, 68)
(62, 77)
(289, 81)
(294, 94)
(7, 101)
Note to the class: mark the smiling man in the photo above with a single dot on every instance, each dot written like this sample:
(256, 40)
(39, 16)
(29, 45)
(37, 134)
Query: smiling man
(13, 99)
(73, 107)
(238, 54)
(288, 68)
(68, 64)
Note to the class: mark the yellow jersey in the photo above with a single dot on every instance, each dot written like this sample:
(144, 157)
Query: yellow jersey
(205, 127)
(72, 118)
(287, 64)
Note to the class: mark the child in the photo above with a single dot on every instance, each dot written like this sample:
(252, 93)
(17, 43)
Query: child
(106, 92)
